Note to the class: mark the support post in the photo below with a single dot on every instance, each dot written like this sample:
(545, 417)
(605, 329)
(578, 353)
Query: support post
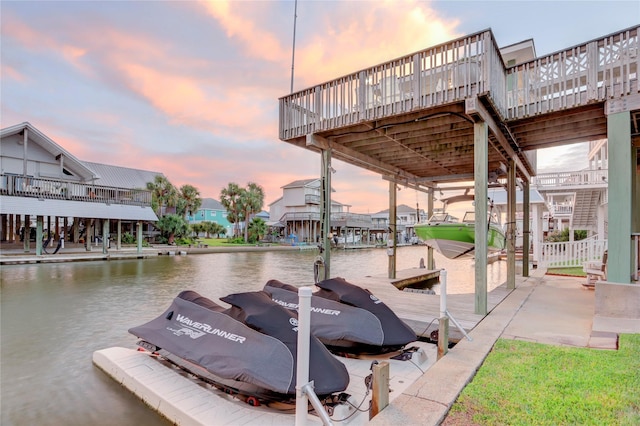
(431, 265)
(480, 171)
(64, 233)
(325, 210)
(443, 327)
(621, 183)
(525, 228)
(105, 236)
(26, 234)
(511, 225)
(88, 232)
(139, 237)
(39, 226)
(391, 242)
(119, 241)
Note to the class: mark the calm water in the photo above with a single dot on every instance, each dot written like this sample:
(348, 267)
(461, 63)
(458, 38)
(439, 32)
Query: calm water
(54, 316)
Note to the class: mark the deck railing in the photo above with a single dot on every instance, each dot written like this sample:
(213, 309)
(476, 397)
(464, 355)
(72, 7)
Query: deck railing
(451, 71)
(601, 69)
(571, 179)
(594, 71)
(21, 186)
(556, 209)
(352, 220)
(572, 253)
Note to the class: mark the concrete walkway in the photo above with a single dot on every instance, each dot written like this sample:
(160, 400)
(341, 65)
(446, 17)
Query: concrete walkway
(543, 309)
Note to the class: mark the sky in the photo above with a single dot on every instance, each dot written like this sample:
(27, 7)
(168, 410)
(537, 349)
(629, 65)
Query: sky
(190, 88)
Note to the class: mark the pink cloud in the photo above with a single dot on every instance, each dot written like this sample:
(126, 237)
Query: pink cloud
(257, 42)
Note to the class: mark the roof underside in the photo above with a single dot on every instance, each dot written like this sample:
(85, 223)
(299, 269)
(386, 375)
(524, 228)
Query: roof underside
(425, 147)
(67, 208)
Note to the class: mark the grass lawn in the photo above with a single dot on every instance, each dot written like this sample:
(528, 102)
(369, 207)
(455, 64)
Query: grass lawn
(574, 271)
(523, 383)
(220, 242)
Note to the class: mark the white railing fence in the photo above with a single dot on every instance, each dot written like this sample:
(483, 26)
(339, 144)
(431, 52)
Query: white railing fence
(567, 254)
(575, 178)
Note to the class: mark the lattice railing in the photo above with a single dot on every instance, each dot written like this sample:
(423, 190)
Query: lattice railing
(595, 71)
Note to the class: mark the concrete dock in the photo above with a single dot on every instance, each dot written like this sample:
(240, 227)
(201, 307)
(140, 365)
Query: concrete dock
(186, 400)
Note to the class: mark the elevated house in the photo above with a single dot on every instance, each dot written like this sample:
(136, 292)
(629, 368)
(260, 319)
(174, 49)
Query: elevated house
(212, 210)
(45, 186)
(578, 200)
(468, 109)
(406, 218)
(297, 215)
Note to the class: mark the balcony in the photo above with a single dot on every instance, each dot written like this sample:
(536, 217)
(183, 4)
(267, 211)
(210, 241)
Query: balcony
(311, 199)
(564, 180)
(56, 189)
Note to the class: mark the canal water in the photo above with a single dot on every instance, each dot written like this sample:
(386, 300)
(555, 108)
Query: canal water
(54, 316)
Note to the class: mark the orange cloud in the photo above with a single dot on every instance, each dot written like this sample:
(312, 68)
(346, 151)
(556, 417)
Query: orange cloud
(257, 42)
(382, 31)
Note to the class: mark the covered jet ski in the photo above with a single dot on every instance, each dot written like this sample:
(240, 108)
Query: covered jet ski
(348, 318)
(253, 342)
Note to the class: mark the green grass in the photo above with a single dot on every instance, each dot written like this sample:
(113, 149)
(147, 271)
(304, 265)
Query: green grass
(220, 242)
(523, 383)
(574, 271)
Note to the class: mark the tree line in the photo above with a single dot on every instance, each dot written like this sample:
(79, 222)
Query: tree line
(173, 206)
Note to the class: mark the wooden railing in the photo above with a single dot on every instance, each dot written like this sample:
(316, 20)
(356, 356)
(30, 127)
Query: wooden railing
(451, 71)
(566, 254)
(594, 71)
(21, 186)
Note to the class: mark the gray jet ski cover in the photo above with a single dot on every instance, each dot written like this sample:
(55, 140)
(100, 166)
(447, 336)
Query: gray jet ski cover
(396, 331)
(206, 335)
(332, 322)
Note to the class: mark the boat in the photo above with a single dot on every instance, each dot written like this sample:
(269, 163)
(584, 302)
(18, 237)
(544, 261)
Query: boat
(456, 240)
(349, 320)
(248, 349)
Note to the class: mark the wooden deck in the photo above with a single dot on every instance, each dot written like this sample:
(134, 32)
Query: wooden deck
(421, 311)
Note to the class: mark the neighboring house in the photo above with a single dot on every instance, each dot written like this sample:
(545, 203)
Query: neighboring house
(406, 219)
(578, 199)
(296, 215)
(264, 215)
(212, 211)
(41, 180)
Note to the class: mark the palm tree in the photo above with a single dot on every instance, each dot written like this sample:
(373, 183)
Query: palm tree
(173, 225)
(163, 194)
(190, 200)
(197, 228)
(257, 228)
(215, 228)
(230, 198)
(252, 202)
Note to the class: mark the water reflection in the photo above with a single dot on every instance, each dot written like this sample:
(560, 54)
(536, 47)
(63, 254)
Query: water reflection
(54, 316)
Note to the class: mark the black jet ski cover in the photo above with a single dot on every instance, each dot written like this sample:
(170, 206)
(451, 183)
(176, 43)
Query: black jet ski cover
(258, 311)
(198, 330)
(396, 332)
(333, 323)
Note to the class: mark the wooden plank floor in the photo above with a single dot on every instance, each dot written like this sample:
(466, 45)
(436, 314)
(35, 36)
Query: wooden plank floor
(421, 311)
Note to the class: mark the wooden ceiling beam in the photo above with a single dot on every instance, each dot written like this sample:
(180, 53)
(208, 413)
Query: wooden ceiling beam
(356, 158)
